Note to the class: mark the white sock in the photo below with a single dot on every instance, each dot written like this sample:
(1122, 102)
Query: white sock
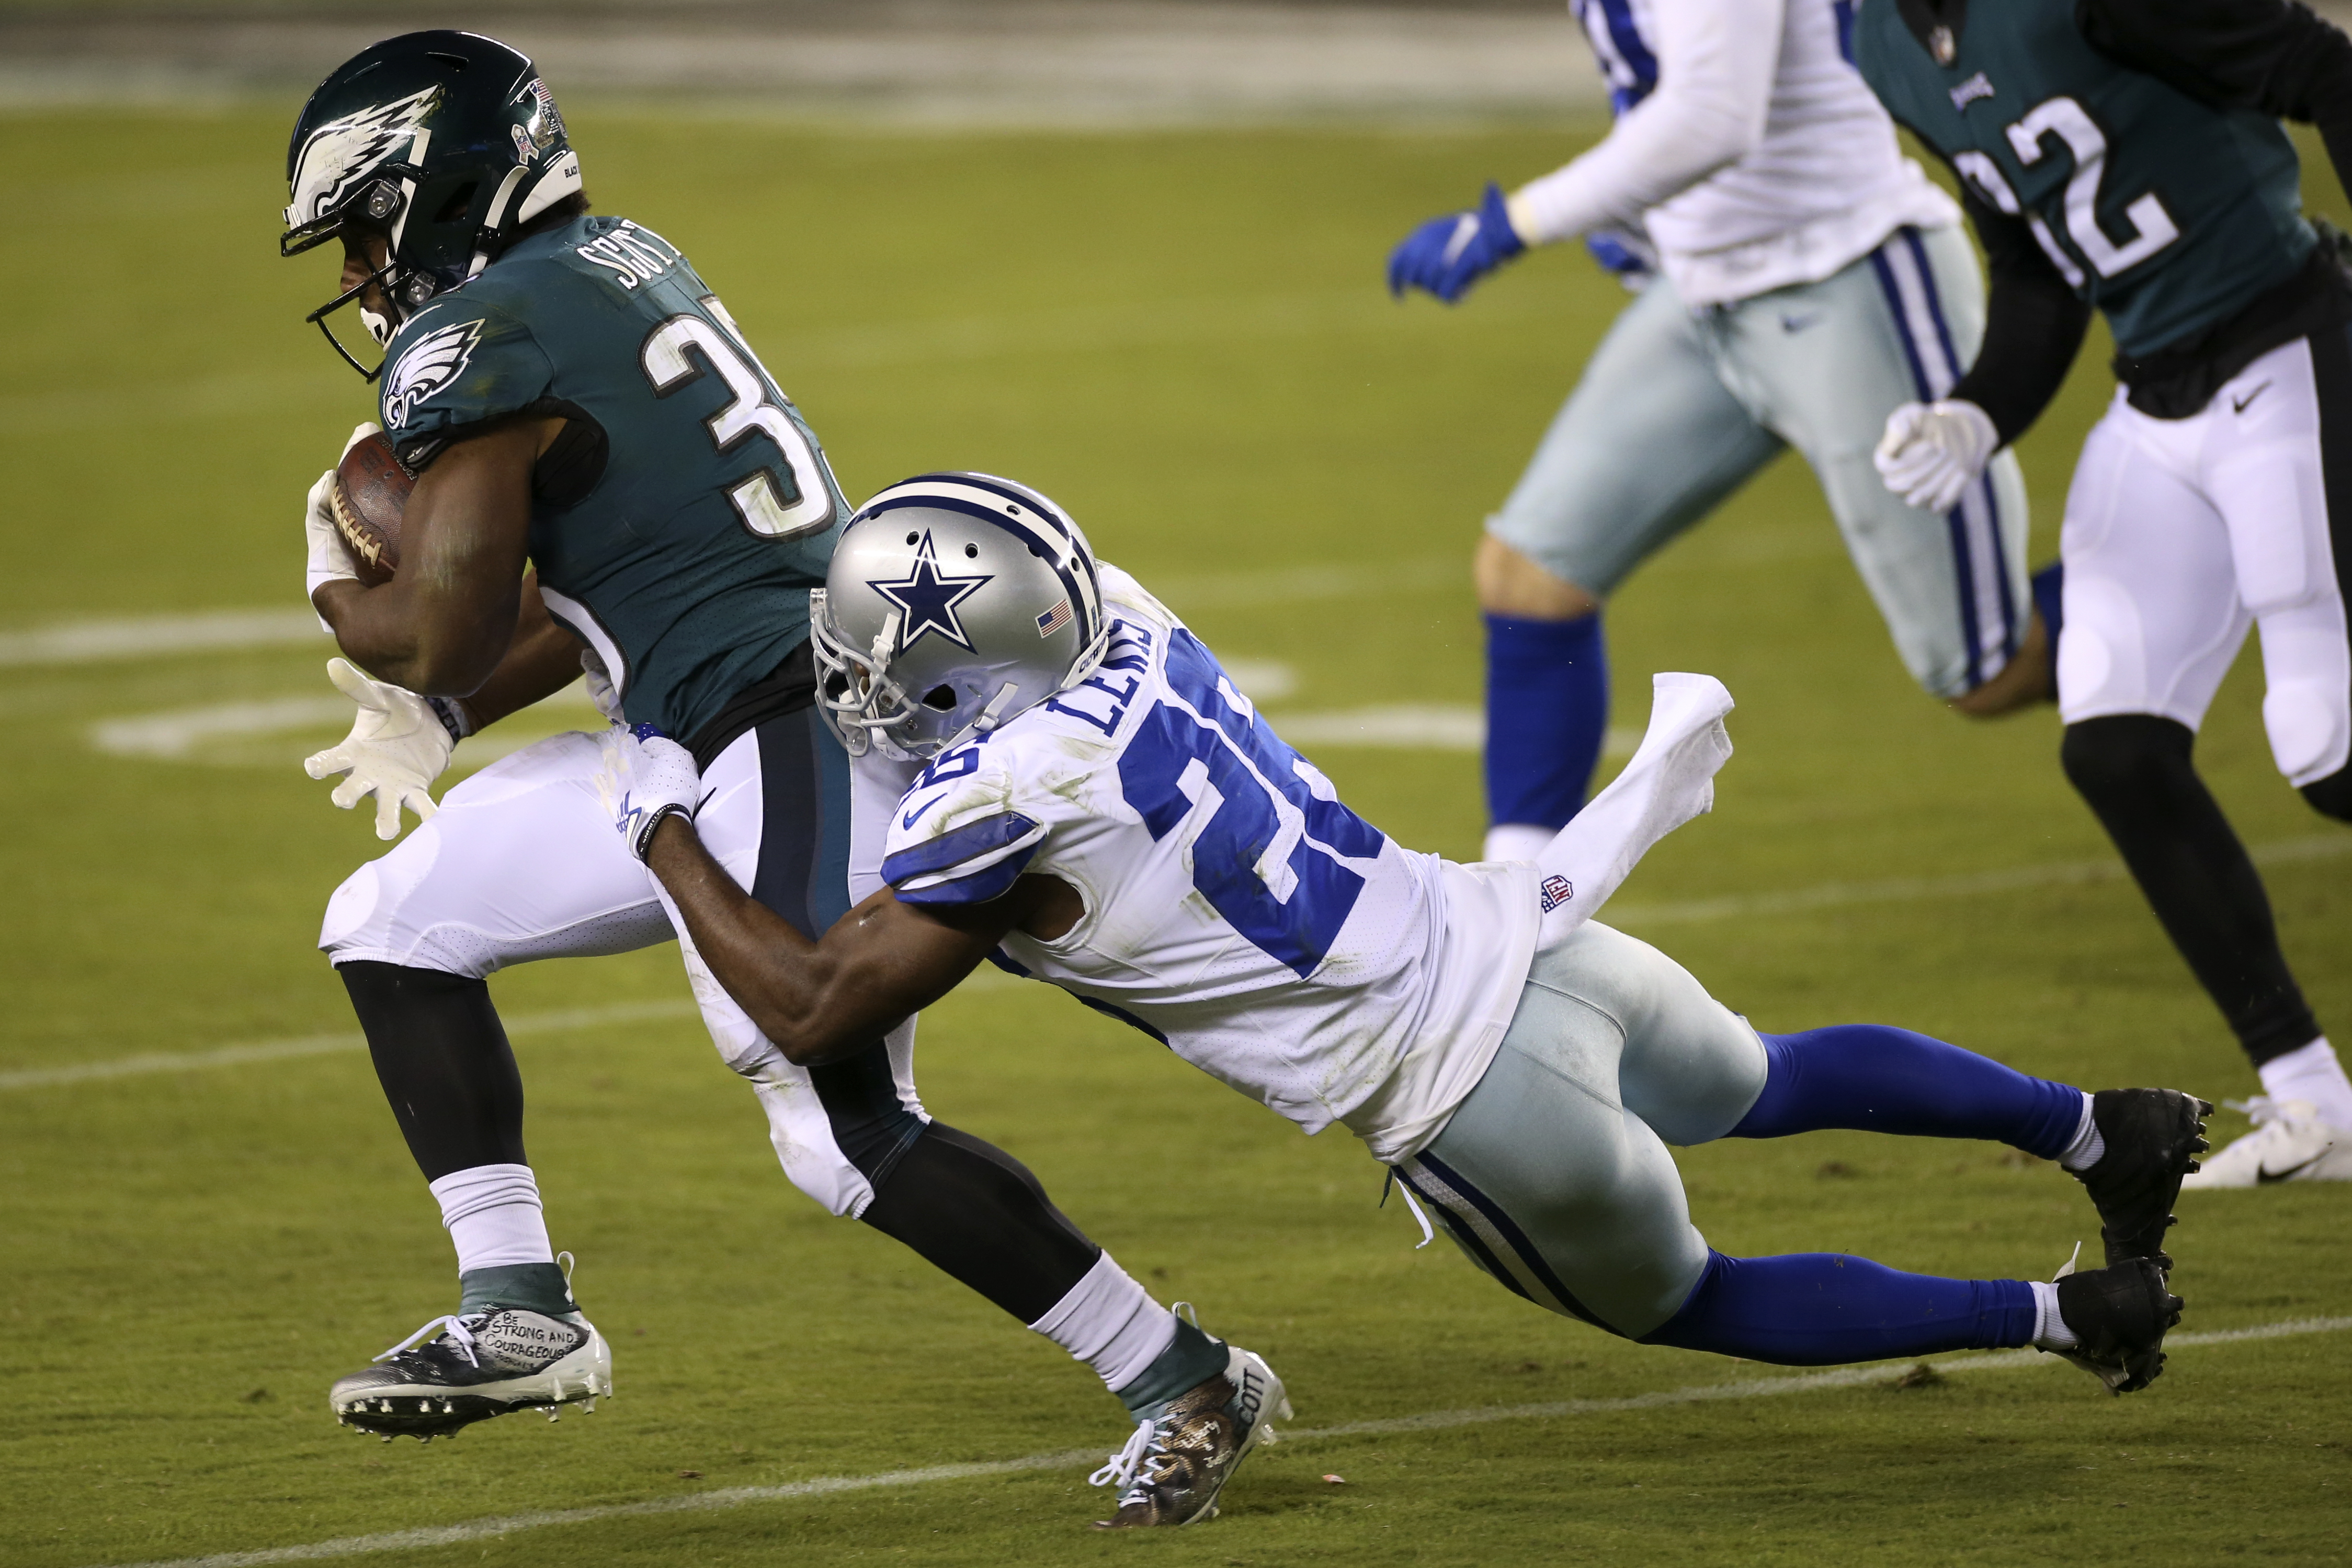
(494, 1216)
(2312, 1072)
(2085, 1152)
(1112, 1323)
(1517, 841)
(2050, 1329)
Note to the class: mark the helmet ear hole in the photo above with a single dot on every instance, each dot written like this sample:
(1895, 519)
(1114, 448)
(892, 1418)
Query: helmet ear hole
(942, 697)
(459, 200)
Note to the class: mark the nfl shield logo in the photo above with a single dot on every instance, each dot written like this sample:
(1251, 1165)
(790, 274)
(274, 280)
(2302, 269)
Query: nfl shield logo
(1557, 890)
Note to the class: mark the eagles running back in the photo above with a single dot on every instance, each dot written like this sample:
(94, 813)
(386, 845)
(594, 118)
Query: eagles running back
(1235, 909)
(679, 521)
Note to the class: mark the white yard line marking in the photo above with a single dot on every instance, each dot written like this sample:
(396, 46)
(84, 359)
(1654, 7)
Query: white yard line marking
(548, 1023)
(135, 636)
(179, 734)
(556, 1021)
(1431, 1421)
(1918, 890)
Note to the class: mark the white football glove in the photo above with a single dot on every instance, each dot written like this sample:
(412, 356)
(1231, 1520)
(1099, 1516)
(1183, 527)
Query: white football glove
(328, 559)
(397, 746)
(644, 777)
(599, 681)
(1932, 452)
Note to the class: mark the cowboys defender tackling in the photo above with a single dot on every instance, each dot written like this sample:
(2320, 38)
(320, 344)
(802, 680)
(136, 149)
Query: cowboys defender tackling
(575, 398)
(1082, 796)
(2126, 156)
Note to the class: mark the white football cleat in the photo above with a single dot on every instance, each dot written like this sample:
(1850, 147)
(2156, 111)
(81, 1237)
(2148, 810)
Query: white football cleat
(457, 1371)
(2289, 1144)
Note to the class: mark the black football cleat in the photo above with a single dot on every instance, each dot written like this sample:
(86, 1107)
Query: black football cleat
(2118, 1316)
(2153, 1138)
(475, 1367)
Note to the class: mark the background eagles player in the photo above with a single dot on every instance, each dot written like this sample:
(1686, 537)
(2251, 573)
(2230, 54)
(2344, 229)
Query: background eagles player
(1800, 280)
(1100, 808)
(2128, 157)
(578, 399)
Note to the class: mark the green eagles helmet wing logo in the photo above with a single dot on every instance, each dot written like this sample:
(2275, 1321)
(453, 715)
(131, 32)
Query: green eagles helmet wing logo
(425, 366)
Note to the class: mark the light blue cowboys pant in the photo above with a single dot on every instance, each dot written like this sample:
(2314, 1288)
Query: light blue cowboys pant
(1553, 1175)
(1677, 407)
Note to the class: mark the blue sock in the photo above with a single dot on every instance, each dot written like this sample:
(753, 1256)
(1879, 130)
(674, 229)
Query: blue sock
(2048, 586)
(1822, 1309)
(1547, 712)
(1871, 1077)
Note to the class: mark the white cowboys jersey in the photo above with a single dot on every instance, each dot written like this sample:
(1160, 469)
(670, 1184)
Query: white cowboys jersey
(1235, 911)
(1826, 184)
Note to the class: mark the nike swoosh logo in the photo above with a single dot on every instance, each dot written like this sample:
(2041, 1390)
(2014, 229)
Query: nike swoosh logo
(2241, 405)
(2263, 1176)
(1796, 323)
(908, 820)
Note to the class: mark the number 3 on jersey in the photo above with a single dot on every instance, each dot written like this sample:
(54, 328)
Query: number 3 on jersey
(1267, 855)
(772, 501)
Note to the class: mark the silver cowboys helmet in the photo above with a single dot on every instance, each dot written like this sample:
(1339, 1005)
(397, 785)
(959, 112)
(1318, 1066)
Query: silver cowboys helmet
(955, 603)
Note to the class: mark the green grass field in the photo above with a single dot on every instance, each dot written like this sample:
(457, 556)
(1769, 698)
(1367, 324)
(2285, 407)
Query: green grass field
(1183, 338)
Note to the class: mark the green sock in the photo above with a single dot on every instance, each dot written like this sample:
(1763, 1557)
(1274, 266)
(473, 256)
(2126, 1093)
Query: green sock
(532, 1286)
(1190, 1359)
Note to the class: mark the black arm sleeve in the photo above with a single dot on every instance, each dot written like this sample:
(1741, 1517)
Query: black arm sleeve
(2275, 56)
(2033, 324)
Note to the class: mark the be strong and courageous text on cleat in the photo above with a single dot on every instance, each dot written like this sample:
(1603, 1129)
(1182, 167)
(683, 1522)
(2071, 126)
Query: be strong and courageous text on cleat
(1179, 1458)
(2152, 1137)
(456, 1370)
(2119, 1316)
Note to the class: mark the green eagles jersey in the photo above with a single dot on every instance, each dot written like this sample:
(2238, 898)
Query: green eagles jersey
(691, 510)
(2167, 214)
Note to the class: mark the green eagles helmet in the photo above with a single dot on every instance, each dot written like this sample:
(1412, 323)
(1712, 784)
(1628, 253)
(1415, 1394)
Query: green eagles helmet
(443, 143)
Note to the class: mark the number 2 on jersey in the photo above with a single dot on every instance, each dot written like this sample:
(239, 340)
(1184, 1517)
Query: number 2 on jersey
(773, 502)
(2070, 122)
(1267, 858)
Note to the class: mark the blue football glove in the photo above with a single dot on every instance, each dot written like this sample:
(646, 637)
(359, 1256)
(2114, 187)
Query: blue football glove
(1625, 252)
(1446, 255)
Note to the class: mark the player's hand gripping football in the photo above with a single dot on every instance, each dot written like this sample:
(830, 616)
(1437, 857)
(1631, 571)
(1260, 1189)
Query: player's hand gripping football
(644, 777)
(1932, 452)
(397, 746)
(328, 558)
(1448, 254)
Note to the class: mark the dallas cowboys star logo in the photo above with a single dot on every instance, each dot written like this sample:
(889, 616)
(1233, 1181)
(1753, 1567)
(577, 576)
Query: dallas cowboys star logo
(929, 599)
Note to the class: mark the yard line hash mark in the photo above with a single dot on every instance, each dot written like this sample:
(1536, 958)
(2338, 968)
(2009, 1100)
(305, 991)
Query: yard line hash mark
(1429, 1421)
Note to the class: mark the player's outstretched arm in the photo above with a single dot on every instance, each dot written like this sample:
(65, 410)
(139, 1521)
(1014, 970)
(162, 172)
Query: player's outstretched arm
(828, 1000)
(817, 1001)
(441, 626)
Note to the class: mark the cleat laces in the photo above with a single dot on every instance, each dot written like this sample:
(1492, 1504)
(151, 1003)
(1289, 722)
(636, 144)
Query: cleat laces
(1125, 1466)
(451, 1327)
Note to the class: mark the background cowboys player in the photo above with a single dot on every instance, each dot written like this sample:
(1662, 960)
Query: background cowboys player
(1098, 806)
(2127, 157)
(1800, 280)
(575, 398)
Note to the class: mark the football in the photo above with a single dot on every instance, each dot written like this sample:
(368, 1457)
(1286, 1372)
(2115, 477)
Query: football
(369, 492)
